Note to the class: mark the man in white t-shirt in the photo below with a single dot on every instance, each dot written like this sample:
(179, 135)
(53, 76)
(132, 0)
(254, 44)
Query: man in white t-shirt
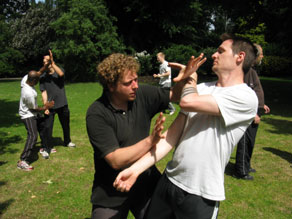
(213, 118)
(28, 111)
(165, 77)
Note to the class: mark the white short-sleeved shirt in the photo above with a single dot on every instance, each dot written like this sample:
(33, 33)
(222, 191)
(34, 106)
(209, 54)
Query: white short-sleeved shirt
(28, 100)
(207, 141)
(163, 68)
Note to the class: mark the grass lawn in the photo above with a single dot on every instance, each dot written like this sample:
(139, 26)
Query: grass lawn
(60, 187)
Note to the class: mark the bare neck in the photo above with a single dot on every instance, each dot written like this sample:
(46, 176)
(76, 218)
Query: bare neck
(230, 79)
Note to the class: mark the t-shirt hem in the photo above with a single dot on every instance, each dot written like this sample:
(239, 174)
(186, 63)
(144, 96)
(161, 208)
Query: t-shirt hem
(194, 192)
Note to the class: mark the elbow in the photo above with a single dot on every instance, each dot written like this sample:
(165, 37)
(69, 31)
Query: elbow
(184, 104)
(116, 164)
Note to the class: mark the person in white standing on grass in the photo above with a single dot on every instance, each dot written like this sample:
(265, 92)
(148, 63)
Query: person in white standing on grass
(213, 118)
(29, 113)
(165, 77)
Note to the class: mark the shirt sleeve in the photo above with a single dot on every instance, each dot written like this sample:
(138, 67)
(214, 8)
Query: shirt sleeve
(101, 134)
(156, 98)
(237, 105)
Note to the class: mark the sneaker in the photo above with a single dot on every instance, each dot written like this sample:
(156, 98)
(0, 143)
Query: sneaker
(53, 150)
(23, 165)
(252, 170)
(244, 177)
(171, 113)
(44, 154)
(71, 145)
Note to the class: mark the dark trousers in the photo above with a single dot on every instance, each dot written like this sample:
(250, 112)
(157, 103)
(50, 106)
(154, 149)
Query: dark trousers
(244, 151)
(171, 202)
(33, 125)
(64, 118)
(121, 212)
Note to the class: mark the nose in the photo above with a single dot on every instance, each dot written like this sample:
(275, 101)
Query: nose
(214, 55)
(135, 84)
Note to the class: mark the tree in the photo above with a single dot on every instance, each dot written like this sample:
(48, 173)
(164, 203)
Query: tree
(149, 25)
(10, 59)
(33, 34)
(84, 36)
(12, 9)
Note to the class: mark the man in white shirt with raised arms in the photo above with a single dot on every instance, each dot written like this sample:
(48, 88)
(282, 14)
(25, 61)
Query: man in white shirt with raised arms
(213, 118)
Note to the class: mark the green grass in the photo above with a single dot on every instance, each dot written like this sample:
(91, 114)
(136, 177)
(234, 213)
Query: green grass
(70, 171)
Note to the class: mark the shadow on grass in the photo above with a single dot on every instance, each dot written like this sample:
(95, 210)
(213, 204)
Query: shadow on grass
(4, 206)
(279, 126)
(283, 154)
(277, 95)
(230, 169)
(9, 113)
(6, 140)
(57, 141)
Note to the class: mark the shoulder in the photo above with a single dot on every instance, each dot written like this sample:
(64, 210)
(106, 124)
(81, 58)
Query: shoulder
(95, 108)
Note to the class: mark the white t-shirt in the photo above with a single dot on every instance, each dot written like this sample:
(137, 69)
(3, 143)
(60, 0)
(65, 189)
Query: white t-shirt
(163, 68)
(28, 100)
(207, 141)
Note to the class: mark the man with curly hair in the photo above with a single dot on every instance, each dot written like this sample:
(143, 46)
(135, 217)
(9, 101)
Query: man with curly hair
(118, 125)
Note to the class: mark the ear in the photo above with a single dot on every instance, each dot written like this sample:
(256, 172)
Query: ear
(240, 57)
(111, 87)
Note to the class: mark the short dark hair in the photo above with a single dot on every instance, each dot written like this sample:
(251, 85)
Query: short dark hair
(242, 44)
(32, 76)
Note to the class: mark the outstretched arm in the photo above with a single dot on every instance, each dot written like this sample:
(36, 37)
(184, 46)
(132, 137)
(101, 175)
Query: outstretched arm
(184, 73)
(123, 157)
(190, 100)
(55, 67)
(126, 179)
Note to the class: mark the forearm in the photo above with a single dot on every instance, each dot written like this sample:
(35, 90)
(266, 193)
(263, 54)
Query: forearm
(191, 101)
(44, 97)
(173, 135)
(123, 157)
(175, 92)
(165, 74)
(150, 158)
(57, 69)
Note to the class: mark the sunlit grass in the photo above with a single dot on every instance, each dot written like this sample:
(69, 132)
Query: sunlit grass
(61, 186)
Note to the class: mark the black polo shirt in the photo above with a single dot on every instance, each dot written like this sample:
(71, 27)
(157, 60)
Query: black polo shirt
(109, 129)
(55, 87)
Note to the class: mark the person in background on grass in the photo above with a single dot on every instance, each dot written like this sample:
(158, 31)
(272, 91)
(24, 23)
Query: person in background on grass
(165, 77)
(52, 86)
(246, 144)
(213, 118)
(118, 125)
(30, 115)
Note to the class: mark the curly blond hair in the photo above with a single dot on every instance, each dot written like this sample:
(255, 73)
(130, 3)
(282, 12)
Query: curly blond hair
(112, 68)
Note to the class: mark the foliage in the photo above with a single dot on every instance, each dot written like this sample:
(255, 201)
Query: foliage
(12, 9)
(85, 35)
(9, 57)
(255, 35)
(145, 60)
(149, 25)
(179, 53)
(33, 34)
(276, 66)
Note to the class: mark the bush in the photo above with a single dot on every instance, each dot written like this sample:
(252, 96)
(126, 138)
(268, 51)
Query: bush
(182, 53)
(145, 60)
(275, 66)
(9, 63)
(206, 68)
(85, 36)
